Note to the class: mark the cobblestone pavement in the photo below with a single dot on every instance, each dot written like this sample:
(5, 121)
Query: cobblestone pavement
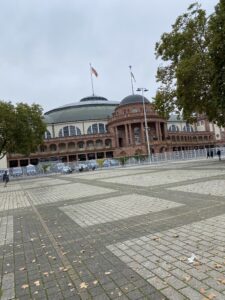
(146, 232)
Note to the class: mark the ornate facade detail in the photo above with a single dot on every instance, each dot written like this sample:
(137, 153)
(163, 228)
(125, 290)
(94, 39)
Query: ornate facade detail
(97, 129)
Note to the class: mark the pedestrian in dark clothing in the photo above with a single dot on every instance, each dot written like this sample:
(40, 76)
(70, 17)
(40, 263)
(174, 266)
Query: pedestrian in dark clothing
(5, 178)
(208, 154)
(211, 153)
(219, 154)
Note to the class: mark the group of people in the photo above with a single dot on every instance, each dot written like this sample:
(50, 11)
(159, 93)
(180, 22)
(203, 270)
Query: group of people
(210, 154)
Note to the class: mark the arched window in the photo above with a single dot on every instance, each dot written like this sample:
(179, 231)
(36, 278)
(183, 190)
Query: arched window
(66, 131)
(47, 135)
(90, 144)
(137, 135)
(108, 143)
(173, 128)
(188, 128)
(60, 133)
(101, 127)
(69, 131)
(80, 145)
(96, 128)
(43, 148)
(62, 146)
(89, 131)
(73, 130)
(99, 143)
(52, 147)
(71, 146)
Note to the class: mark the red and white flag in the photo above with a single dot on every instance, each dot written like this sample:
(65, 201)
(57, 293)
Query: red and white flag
(93, 71)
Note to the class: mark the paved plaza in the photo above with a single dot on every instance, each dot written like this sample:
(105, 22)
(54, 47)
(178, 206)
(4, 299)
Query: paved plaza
(145, 232)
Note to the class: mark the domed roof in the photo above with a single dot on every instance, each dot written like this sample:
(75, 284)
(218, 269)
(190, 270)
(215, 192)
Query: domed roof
(88, 108)
(93, 98)
(133, 99)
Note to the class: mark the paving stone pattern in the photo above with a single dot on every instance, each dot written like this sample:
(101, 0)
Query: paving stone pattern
(42, 182)
(6, 230)
(66, 192)
(213, 187)
(115, 208)
(171, 176)
(13, 200)
(123, 233)
(10, 187)
(162, 259)
(99, 174)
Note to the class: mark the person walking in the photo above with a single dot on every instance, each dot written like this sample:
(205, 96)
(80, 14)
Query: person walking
(211, 153)
(219, 154)
(5, 178)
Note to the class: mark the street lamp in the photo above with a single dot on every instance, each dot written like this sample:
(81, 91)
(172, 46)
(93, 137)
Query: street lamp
(142, 90)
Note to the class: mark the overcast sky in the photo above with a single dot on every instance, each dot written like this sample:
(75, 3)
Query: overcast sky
(46, 47)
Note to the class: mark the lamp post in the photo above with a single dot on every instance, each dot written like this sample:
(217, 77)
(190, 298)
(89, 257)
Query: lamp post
(142, 90)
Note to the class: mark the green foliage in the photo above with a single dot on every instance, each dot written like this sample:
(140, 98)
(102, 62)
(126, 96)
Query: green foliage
(123, 160)
(46, 167)
(217, 54)
(192, 79)
(100, 162)
(137, 157)
(21, 128)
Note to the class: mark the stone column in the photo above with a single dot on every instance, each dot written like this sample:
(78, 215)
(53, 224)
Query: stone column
(165, 130)
(207, 127)
(53, 131)
(116, 137)
(160, 132)
(142, 133)
(131, 135)
(157, 130)
(126, 135)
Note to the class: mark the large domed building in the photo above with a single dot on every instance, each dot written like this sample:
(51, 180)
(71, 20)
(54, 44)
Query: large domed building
(96, 128)
(89, 108)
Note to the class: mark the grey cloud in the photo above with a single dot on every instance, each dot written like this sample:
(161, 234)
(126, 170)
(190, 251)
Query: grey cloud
(46, 46)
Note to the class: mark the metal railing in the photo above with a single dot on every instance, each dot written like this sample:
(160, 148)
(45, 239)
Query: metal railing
(54, 167)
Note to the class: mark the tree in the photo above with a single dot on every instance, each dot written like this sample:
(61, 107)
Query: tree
(216, 52)
(188, 82)
(21, 128)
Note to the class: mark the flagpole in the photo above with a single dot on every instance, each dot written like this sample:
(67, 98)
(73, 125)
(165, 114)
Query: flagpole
(131, 79)
(92, 85)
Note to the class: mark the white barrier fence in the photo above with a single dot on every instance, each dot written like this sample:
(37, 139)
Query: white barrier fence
(46, 168)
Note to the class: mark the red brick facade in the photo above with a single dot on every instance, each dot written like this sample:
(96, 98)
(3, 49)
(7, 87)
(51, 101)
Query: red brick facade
(125, 137)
